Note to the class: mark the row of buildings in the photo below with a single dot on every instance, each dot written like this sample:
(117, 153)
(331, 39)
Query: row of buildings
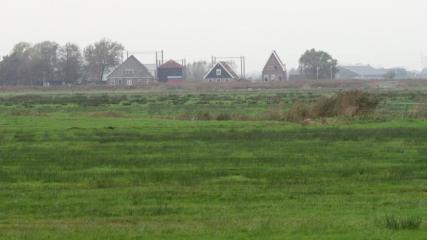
(132, 72)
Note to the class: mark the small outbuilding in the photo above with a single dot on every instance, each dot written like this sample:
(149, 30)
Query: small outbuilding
(130, 73)
(275, 69)
(170, 71)
(221, 72)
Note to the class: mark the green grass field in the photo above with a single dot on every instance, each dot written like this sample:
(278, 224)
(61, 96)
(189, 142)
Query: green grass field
(119, 166)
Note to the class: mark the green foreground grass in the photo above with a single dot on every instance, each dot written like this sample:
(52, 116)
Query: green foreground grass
(69, 174)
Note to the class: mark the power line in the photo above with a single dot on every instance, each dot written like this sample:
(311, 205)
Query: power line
(158, 54)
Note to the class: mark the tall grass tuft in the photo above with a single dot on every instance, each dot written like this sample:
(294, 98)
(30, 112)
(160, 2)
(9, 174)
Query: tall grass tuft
(346, 104)
(402, 223)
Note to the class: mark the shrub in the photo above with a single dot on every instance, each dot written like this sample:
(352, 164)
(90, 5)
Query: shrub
(351, 104)
(276, 114)
(299, 112)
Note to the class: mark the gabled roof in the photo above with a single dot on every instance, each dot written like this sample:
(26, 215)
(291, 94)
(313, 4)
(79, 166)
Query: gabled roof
(276, 57)
(365, 70)
(107, 72)
(230, 70)
(171, 64)
(226, 67)
(140, 70)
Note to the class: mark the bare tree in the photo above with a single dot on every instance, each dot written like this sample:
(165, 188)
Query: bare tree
(15, 68)
(45, 62)
(195, 71)
(70, 63)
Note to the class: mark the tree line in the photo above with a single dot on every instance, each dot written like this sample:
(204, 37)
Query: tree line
(48, 63)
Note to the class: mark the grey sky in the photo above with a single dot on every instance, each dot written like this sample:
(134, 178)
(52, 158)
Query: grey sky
(380, 32)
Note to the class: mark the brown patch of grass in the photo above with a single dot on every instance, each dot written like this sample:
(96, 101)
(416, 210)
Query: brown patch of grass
(420, 111)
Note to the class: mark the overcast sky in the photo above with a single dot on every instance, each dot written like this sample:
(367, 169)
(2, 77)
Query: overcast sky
(384, 33)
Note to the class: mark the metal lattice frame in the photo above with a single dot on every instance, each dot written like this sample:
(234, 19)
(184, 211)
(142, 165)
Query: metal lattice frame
(242, 64)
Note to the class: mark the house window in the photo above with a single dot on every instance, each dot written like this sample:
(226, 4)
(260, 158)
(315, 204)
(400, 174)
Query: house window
(129, 82)
(218, 72)
(273, 77)
(275, 68)
(129, 71)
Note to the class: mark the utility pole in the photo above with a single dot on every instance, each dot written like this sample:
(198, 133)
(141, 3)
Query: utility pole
(241, 68)
(318, 68)
(162, 57)
(157, 60)
(244, 67)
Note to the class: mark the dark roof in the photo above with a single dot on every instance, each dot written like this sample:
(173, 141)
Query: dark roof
(140, 71)
(230, 70)
(171, 64)
(225, 66)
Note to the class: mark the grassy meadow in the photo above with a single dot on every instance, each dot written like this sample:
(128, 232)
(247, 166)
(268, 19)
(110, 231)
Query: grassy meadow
(208, 166)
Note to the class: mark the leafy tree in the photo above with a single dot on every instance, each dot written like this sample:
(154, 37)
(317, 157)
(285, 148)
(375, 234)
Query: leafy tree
(101, 56)
(318, 65)
(70, 63)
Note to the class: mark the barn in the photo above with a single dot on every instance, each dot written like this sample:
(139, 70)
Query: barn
(170, 71)
(130, 73)
(221, 72)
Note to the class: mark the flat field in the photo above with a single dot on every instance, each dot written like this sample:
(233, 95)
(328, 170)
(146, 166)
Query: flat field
(163, 166)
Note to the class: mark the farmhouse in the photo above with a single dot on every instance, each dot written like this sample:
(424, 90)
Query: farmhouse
(170, 71)
(130, 73)
(274, 69)
(221, 72)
